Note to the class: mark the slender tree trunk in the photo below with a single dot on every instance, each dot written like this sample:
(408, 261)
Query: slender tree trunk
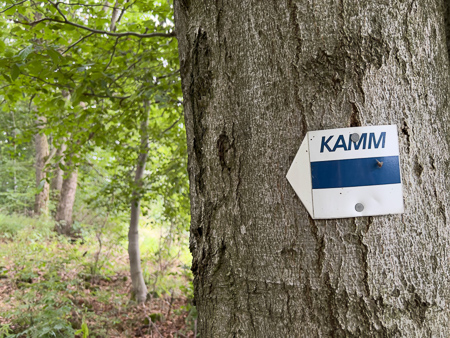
(257, 75)
(58, 173)
(139, 288)
(114, 16)
(66, 201)
(14, 152)
(42, 153)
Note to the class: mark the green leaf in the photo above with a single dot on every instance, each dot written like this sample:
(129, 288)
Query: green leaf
(41, 185)
(10, 11)
(78, 93)
(7, 78)
(54, 55)
(2, 46)
(15, 72)
(25, 52)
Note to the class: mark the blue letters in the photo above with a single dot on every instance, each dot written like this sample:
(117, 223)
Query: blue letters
(376, 145)
(325, 144)
(340, 143)
(362, 142)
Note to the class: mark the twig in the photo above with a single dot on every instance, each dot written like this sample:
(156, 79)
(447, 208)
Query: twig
(49, 83)
(57, 8)
(77, 42)
(129, 67)
(31, 101)
(112, 54)
(95, 169)
(171, 126)
(151, 324)
(97, 31)
(123, 11)
(84, 5)
(170, 304)
(49, 158)
(97, 255)
(107, 96)
(13, 5)
(168, 75)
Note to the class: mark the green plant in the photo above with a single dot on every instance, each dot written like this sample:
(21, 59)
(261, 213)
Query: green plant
(84, 329)
(4, 330)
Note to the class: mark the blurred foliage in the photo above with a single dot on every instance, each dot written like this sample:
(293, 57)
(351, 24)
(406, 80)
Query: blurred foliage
(52, 288)
(93, 71)
(90, 81)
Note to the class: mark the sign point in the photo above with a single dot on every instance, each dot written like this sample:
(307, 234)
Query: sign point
(355, 137)
(359, 207)
(336, 173)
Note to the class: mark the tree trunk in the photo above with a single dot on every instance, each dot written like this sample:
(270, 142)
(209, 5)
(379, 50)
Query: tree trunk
(42, 153)
(58, 173)
(14, 151)
(139, 288)
(257, 75)
(65, 205)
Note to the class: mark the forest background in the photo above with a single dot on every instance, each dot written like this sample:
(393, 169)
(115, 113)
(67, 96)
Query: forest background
(92, 137)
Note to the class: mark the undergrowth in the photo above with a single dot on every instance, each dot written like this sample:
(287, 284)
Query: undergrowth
(51, 286)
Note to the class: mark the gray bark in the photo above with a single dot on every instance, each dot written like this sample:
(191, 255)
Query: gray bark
(66, 202)
(14, 153)
(139, 288)
(114, 17)
(256, 76)
(58, 173)
(42, 153)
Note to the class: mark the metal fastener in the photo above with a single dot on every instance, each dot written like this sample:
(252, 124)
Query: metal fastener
(354, 137)
(359, 207)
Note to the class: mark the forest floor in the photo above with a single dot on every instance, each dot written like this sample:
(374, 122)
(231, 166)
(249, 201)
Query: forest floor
(52, 287)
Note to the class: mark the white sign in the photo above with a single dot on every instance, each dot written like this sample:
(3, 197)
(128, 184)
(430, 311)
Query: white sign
(349, 172)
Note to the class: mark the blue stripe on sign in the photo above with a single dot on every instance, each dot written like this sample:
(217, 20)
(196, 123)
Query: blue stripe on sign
(355, 172)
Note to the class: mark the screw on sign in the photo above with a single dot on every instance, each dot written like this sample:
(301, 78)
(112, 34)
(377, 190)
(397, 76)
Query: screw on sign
(349, 172)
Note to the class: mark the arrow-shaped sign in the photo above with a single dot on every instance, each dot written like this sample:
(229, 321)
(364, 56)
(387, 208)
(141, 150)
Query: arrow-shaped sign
(349, 172)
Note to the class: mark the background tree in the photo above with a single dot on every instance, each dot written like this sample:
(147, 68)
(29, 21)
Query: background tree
(88, 69)
(42, 154)
(17, 158)
(256, 77)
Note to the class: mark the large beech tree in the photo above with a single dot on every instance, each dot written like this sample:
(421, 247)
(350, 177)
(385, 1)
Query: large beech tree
(256, 76)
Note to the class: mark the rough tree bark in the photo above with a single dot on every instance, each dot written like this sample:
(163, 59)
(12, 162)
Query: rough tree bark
(257, 75)
(64, 209)
(139, 290)
(42, 153)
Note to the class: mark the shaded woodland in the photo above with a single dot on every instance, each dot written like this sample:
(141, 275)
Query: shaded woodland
(94, 205)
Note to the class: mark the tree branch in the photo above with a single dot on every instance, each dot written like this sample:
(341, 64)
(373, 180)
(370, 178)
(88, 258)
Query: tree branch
(49, 83)
(171, 126)
(97, 31)
(167, 75)
(77, 42)
(123, 11)
(49, 158)
(59, 11)
(129, 67)
(19, 3)
(112, 54)
(83, 5)
(107, 96)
